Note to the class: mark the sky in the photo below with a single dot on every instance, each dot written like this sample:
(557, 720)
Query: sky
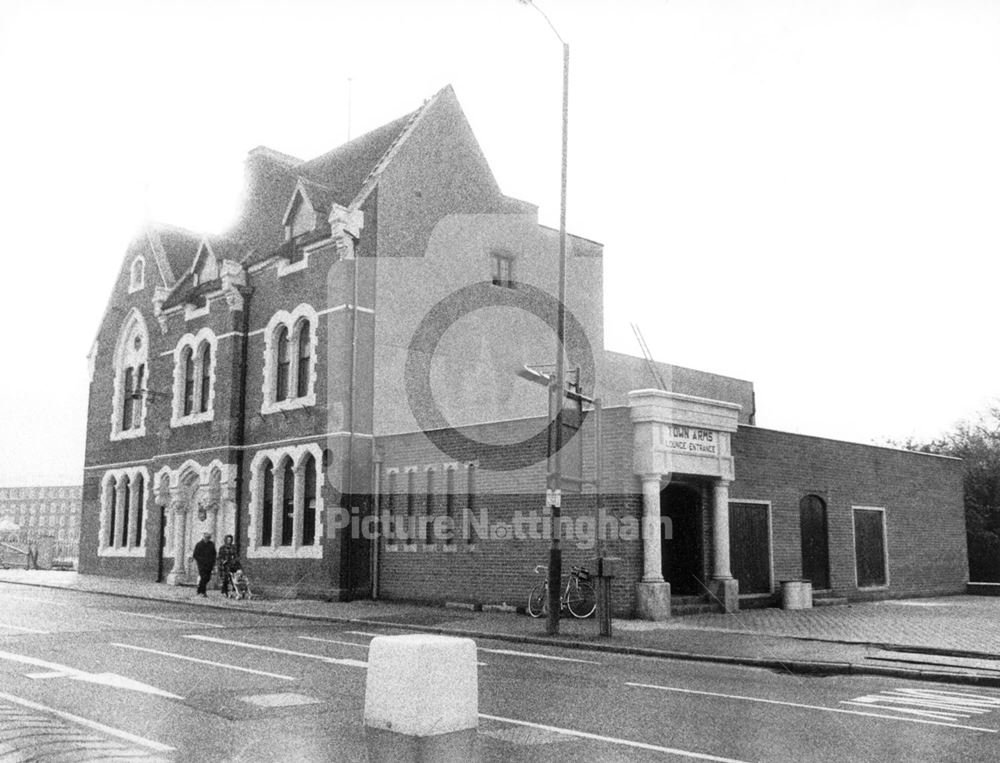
(798, 193)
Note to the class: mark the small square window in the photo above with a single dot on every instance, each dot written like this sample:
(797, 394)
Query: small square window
(503, 270)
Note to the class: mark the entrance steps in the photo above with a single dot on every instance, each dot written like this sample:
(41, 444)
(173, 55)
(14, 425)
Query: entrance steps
(692, 605)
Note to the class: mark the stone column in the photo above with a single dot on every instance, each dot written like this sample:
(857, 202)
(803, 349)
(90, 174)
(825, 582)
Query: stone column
(652, 544)
(276, 505)
(652, 593)
(723, 587)
(300, 500)
(180, 552)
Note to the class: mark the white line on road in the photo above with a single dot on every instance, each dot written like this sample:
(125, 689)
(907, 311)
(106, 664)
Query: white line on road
(910, 711)
(611, 740)
(89, 724)
(282, 676)
(22, 628)
(261, 647)
(368, 633)
(333, 641)
(515, 653)
(348, 643)
(169, 619)
(810, 707)
(105, 679)
(39, 599)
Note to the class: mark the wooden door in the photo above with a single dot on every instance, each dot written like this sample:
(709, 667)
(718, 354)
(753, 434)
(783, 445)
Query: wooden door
(750, 546)
(815, 545)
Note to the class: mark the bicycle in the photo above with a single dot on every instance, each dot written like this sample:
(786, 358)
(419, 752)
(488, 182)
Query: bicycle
(578, 596)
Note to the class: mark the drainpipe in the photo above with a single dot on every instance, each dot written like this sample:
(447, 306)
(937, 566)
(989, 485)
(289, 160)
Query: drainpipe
(241, 419)
(377, 525)
(351, 404)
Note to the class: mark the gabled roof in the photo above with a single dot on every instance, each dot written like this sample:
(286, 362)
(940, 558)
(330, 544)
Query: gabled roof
(186, 288)
(318, 196)
(344, 176)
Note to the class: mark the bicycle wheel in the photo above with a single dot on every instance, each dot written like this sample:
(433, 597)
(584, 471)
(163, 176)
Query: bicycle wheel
(537, 599)
(581, 599)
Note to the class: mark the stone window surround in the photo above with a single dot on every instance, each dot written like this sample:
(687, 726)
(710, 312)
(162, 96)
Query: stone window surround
(133, 321)
(195, 342)
(136, 513)
(290, 320)
(137, 274)
(276, 456)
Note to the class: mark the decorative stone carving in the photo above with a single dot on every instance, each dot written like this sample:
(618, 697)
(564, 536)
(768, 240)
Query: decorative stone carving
(345, 229)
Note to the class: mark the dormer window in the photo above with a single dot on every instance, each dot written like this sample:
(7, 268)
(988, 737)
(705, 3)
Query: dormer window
(503, 269)
(137, 275)
(300, 217)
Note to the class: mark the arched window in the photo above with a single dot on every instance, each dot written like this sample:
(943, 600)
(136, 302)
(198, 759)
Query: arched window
(471, 503)
(305, 347)
(266, 505)
(427, 529)
(129, 400)
(121, 537)
(187, 359)
(205, 363)
(112, 509)
(140, 498)
(309, 501)
(281, 383)
(449, 502)
(128, 396)
(287, 504)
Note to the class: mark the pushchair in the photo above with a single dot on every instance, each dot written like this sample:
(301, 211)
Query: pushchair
(239, 585)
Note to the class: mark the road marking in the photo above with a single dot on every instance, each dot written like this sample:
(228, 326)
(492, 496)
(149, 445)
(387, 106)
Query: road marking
(38, 599)
(22, 628)
(89, 723)
(812, 707)
(930, 702)
(207, 662)
(348, 643)
(169, 619)
(105, 679)
(611, 740)
(332, 641)
(369, 633)
(261, 647)
(515, 653)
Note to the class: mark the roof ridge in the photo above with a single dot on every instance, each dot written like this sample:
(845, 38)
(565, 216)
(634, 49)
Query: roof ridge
(369, 182)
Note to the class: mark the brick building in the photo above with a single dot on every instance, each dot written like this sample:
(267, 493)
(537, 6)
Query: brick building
(30, 513)
(349, 348)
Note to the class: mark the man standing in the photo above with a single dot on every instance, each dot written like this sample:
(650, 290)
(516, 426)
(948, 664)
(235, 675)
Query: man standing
(204, 557)
(229, 562)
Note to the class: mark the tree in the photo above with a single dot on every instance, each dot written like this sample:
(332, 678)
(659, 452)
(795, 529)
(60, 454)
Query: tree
(977, 443)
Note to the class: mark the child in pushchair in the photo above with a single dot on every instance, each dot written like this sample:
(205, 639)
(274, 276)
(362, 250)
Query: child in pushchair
(239, 585)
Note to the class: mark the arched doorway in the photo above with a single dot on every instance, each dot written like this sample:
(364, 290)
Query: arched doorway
(682, 552)
(815, 544)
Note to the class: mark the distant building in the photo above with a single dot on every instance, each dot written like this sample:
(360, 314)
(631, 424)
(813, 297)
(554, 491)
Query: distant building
(350, 349)
(30, 513)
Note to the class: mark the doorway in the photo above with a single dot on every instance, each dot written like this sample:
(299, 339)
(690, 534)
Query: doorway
(815, 547)
(682, 552)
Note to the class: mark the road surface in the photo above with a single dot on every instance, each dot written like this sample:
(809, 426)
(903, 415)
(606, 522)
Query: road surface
(92, 677)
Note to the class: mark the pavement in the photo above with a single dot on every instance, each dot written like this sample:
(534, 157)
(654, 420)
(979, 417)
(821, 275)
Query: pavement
(954, 639)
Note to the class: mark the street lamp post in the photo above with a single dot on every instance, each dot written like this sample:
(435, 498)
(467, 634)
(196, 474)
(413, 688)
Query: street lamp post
(554, 481)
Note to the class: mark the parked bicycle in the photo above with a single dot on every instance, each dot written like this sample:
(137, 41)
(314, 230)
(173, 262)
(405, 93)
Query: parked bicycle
(577, 595)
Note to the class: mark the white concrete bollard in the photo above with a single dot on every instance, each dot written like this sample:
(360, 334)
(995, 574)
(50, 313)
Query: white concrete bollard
(421, 699)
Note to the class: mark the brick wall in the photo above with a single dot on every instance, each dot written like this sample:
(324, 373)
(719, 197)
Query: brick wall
(921, 495)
